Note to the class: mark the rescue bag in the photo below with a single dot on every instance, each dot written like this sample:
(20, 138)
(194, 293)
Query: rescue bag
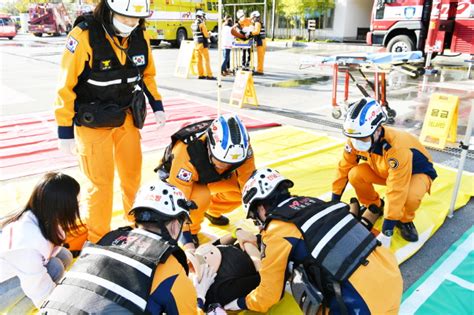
(97, 115)
(187, 135)
(138, 107)
(308, 297)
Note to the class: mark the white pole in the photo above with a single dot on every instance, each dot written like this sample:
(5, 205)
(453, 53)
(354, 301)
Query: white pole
(219, 57)
(265, 13)
(462, 160)
(273, 19)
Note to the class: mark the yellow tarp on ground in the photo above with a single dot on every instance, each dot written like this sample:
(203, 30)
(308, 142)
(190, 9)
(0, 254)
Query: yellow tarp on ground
(310, 160)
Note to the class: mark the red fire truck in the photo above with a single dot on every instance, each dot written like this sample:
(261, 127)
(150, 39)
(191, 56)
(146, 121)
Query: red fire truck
(426, 25)
(48, 18)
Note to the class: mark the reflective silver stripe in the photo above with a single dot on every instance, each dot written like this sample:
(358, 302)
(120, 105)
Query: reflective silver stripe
(122, 258)
(321, 214)
(112, 82)
(146, 233)
(110, 286)
(329, 235)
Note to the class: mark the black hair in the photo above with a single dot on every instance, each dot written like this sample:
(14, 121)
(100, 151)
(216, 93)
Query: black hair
(55, 205)
(279, 194)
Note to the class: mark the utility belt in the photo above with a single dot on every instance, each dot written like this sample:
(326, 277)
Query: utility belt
(111, 115)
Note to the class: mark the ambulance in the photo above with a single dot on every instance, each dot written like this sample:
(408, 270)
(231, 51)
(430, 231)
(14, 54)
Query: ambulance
(171, 19)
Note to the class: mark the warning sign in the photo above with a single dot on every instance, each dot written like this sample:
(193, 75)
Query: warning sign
(243, 91)
(441, 121)
(184, 64)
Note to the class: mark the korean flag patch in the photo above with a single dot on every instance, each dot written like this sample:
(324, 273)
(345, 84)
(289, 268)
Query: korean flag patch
(185, 175)
(71, 44)
(139, 60)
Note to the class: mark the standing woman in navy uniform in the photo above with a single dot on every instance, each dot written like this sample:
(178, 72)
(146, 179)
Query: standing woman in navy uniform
(107, 69)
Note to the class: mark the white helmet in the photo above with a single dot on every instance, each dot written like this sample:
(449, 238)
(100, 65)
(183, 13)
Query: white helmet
(255, 14)
(228, 139)
(164, 200)
(240, 14)
(261, 185)
(363, 118)
(130, 8)
(200, 13)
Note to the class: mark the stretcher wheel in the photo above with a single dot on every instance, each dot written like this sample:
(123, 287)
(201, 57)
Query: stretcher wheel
(336, 113)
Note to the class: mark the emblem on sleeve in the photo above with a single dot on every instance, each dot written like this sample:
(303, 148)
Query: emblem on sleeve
(393, 163)
(71, 44)
(184, 175)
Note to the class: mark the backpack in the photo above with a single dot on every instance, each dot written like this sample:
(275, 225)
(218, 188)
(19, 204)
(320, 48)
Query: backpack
(187, 134)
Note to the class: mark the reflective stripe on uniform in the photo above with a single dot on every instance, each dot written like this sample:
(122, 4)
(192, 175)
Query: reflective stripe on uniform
(110, 286)
(321, 214)
(329, 236)
(111, 82)
(122, 258)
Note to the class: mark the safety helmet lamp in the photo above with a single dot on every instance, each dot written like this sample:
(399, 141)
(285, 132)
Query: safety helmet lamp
(161, 200)
(228, 139)
(260, 186)
(130, 8)
(363, 118)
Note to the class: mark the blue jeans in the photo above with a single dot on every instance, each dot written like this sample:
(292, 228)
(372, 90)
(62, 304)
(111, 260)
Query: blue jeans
(226, 63)
(12, 298)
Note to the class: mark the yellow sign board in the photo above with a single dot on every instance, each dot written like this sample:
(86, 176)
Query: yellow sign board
(184, 64)
(441, 121)
(243, 91)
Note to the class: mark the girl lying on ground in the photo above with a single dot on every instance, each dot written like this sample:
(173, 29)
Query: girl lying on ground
(32, 259)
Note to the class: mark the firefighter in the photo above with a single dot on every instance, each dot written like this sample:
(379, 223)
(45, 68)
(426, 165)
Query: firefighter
(106, 70)
(201, 45)
(259, 36)
(210, 169)
(156, 270)
(242, 30)
(334, 263)
(376, 154)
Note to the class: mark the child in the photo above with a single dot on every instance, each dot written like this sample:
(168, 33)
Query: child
(32, 259)
(227, 40)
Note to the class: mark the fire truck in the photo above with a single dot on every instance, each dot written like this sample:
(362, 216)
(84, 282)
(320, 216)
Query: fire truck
(429, 26)
(48, 18)
(171, 19)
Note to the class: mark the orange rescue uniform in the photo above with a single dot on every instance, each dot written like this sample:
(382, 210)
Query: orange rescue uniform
(400, 162)
(215, 198)
(201, 51)
(282, 242)
(260, 47)
(101, 149)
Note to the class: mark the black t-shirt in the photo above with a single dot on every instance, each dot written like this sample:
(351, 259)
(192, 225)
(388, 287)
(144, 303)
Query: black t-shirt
(235, 278)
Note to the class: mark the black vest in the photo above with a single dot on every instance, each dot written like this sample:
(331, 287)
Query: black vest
(336, 241)
(109, 81)
(198, 36)
(120, 268)
(260, 36)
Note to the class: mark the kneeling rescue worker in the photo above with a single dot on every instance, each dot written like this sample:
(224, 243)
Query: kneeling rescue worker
(135, 271)
(336, 264)
(209, 161)
(377, 154)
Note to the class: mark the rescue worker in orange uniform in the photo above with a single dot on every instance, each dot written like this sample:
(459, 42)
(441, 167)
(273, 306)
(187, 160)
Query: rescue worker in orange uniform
(156, 270)
(107, 69)
(381, 155)
(259, 35)
(334, 263)
(242, 30)
(211, 170)
(201, 46)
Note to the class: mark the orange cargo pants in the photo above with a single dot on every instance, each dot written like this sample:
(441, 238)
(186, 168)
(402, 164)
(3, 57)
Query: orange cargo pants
(201, 53)
(261, 55)
(363, 178)
(100, 150)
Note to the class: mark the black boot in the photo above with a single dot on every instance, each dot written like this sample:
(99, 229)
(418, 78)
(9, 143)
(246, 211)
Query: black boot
(408, 230)
(222, 220)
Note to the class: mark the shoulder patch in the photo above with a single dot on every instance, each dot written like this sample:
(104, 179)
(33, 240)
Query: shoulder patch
(184, 175)
(139, 60)
(71, 44)
(348, 148)
(392, 163)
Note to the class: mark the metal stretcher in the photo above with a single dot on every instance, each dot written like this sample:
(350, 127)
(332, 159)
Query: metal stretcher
(379, 64)
(237, 52)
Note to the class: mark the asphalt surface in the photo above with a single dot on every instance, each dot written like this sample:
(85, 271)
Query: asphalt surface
(293, 91)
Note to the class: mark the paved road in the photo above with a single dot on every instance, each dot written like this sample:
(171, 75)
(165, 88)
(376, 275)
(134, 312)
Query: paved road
(287, 94)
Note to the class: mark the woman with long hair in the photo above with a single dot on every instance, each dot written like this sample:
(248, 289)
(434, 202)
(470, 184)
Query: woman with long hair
(32, 259)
